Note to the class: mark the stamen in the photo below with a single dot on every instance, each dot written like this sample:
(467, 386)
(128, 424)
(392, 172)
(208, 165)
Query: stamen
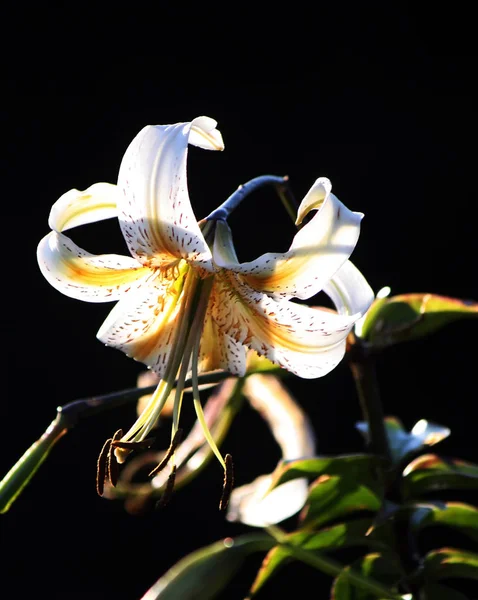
(168, 491)
(112, 468)
(228, 483)
(101, 467)
(178, 436)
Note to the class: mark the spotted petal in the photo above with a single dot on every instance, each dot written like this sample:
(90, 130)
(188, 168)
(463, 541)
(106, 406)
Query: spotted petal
(308, 342)
(318, 250)
(77, 207)
(220, 351)
(143, 324)
(79, 274)
(154, 209)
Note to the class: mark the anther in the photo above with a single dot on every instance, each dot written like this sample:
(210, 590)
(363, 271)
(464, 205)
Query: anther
(112, 469)
(168, 491)
(228, 482)
(101, 467)
(178, 436)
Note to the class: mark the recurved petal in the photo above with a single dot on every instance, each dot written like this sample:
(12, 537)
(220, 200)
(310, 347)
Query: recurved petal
(349, 290)
(154, 209)
(79, 274)
(76, 207)
(308, 342)
(252, 505)
(220, 351)
(293, 432)
(318, 250)
(143, 324)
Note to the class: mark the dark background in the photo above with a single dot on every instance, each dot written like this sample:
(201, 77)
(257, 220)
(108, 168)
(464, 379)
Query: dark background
(381, 101)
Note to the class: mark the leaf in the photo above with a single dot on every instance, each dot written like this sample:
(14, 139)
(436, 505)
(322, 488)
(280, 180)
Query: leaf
(430, 473)
(204, 573)
(25, 468)
(460, 516)
(345, 484)
(411, 316)
(381, 567)
(450, 562)
(344, 464)
(332, 496)
(401, 442)
(342, 535)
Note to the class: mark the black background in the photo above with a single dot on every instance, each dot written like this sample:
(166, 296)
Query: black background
(381, 101)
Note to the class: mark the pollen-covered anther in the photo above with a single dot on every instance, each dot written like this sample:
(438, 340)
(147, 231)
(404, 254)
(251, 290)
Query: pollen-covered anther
(228, 483)
(168, 490)
(112, 470)
(101, 466)
(178, 436)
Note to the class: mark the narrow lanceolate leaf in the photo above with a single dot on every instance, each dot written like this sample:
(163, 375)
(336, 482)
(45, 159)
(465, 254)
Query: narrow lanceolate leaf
(450, 562)
(457, 515)
(21, 473)
(381, 567)
(403, 443)
(319, 465)
(410, 316)
(342, 535)
(203, 574)
(429, 473)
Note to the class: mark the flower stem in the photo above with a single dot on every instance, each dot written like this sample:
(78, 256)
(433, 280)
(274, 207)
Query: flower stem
(67, 417)
(226, 208)
(362, 365)
(331, 567)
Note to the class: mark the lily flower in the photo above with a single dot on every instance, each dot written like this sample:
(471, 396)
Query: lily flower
(184, 301)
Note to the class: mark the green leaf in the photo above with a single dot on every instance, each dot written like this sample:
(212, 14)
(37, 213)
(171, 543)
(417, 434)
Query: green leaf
(460, 516)
(401, 442)
(25, 468)
(436, 591)
(380, 567)
(430, 473)
(332, 496)
(346, 464)
(203, 574)
(342, 535)
(345, 484)
(411, 316)
(450, 562)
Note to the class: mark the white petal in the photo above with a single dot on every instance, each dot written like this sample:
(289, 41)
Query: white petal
(143, 324)
(77, 207)
(306, 341)
(154, 209)
(204, 134)
(318, 250)
(84, 276)
(251, 504)
(349, 290)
